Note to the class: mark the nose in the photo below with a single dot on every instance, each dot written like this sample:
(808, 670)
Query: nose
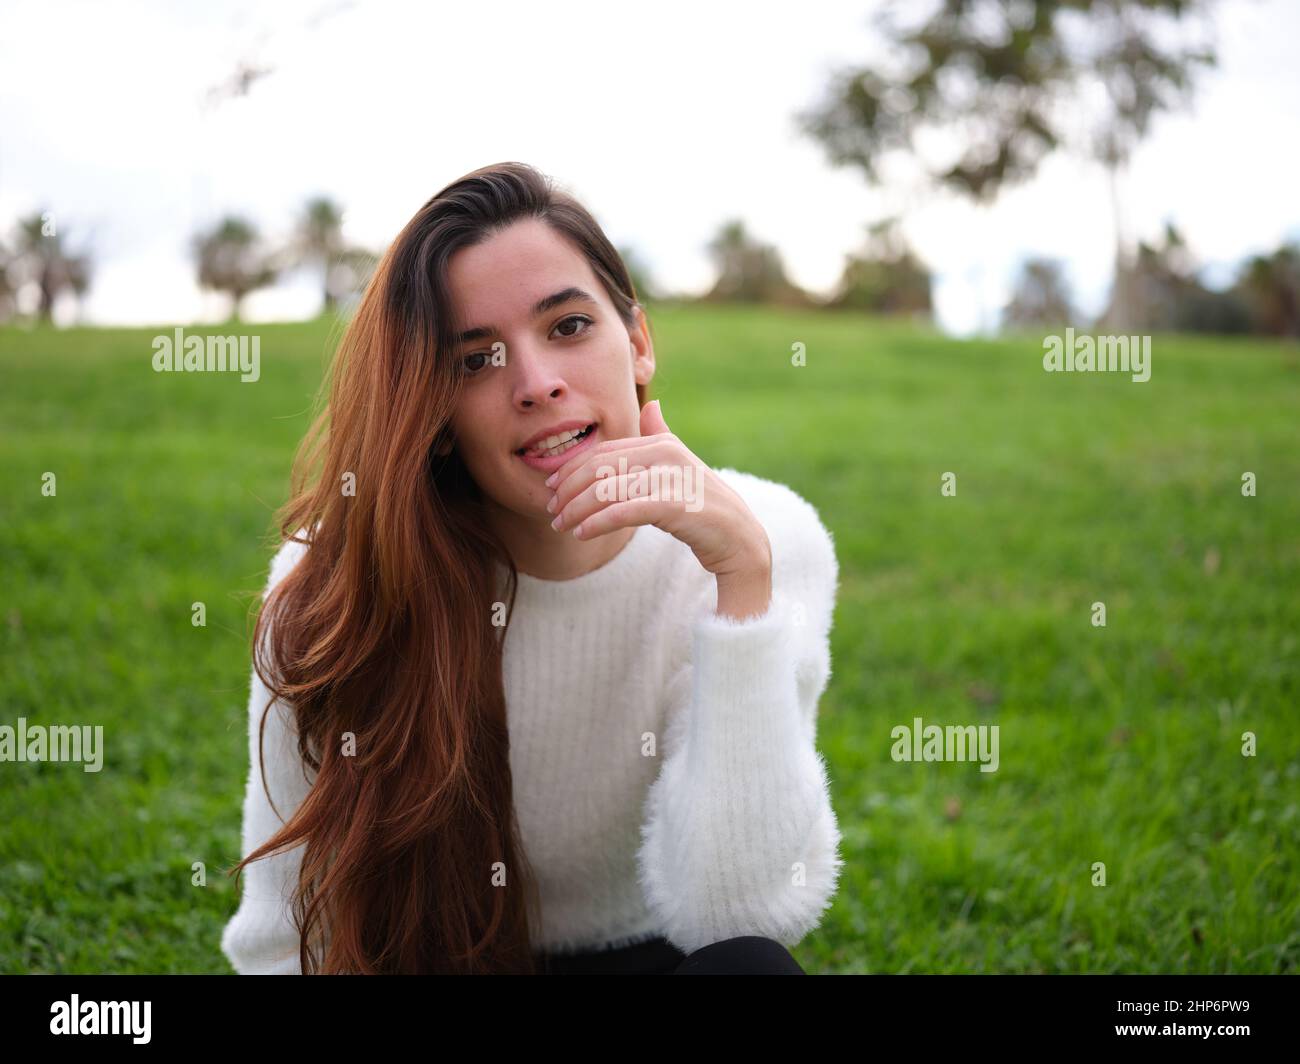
(536, 377)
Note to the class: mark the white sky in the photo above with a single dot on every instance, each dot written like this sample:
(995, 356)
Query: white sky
(665, 120)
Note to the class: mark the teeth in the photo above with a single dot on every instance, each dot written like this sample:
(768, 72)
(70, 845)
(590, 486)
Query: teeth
(555, 441)
(554, 445)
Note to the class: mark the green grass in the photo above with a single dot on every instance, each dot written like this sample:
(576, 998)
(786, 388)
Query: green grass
(1119, 744)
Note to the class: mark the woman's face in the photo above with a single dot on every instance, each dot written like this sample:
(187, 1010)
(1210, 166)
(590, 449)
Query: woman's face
(573, 360)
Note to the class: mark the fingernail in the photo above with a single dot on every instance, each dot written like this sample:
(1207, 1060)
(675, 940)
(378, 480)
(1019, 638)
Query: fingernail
(550, 481)
(559, 518)
(550, 506)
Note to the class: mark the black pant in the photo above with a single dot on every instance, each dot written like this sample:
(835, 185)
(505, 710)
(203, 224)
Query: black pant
(747, 955)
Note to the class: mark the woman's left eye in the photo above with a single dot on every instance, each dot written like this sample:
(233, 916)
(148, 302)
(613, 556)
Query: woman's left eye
(579, 319)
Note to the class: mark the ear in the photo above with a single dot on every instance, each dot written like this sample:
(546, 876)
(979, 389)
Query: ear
(443, 445)
(643, 351)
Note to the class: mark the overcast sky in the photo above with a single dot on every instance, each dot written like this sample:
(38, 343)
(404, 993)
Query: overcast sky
(665, 120)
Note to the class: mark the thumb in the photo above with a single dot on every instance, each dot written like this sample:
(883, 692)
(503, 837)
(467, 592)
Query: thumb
(652, 419)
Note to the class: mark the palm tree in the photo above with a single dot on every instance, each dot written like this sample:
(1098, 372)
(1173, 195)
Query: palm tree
(231, 259)
(319, 240)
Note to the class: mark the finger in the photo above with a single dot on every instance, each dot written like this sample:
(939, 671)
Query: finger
(644, 510)
(635, 483)
(642, 453)
(626, 443)
(652, 419)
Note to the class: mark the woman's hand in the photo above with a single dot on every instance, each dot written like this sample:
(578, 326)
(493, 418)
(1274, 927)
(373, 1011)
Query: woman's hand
(655, 480)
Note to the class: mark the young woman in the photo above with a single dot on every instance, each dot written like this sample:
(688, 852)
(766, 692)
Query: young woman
(553, 681)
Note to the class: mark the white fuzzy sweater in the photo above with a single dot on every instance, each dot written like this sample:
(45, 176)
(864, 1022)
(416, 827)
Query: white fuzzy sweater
(666, 778)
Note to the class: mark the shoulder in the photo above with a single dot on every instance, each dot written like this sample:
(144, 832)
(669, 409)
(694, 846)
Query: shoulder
(289, 554)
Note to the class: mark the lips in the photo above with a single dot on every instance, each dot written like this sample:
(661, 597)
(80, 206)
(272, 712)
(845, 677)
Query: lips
(561, 427)
(553, 462)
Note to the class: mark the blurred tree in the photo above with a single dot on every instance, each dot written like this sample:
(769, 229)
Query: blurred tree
(1013, 81)
(349, 274)
(231, 259)
(8, 289)
(640, 274)
(1270, 287)
(41, 256)
(884, 277)
(246, 73)
(1166, 295)
(318, 241)
(749, 271)
(1041, 297)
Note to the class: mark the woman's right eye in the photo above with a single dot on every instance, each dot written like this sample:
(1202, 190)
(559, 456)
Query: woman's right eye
(465, 363)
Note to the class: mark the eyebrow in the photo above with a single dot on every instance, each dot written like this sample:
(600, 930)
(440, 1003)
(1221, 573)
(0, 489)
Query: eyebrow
(565, 295)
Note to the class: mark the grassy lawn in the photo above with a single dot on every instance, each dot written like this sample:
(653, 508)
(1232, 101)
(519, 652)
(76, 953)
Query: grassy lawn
(1119, 745)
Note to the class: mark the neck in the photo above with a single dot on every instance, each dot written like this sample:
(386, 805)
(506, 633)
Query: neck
(540, 551)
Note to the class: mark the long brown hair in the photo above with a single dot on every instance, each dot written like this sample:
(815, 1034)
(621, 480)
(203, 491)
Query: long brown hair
(383, 629)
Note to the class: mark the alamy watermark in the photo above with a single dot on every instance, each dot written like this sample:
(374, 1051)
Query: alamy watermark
(77, 1017)
(59, 742)
(955, 742)
(660, 482)
(1097, 354)
(179, 353)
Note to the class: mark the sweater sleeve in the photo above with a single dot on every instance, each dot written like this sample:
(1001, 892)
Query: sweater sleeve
(739, 836)
(261, 938)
